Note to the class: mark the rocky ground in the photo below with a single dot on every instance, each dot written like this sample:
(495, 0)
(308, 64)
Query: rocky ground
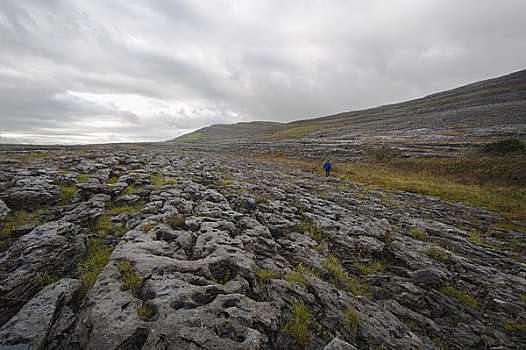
(144, 247)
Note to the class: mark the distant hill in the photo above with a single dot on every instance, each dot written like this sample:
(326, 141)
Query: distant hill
(495, 102)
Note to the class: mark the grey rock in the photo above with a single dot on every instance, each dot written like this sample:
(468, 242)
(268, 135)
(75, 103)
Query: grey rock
(32, 191)
(32, 325)
(339, 344)
(53, 248)
(4, 210)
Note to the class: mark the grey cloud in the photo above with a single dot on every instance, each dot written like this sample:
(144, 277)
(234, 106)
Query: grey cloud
(191, 64)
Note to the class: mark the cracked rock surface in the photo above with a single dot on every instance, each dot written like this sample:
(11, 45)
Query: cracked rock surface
(212, 251)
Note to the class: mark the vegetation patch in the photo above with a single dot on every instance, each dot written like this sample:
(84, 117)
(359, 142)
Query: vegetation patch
(130, 280)
(463, 297)
(515, 327)
(263, 276)
(312, 229)
(295, 277)
(92, 265)
(176, 221)
(157, 180)
(438, 254)
(341, 279)
(81, 178)
(505, 147)
(146, 311)
(67, 193)
(19, 218)
(475, 237)
(371, 267)
(262, 197)
(419, 234)
(112, 180)
(351, 322)
(130, 189)
(47, 278)
(300, 325)
(33, 155)
(193, 136)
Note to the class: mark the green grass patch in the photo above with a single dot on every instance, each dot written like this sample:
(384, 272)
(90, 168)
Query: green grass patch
(515, 327)
(19, 218)
(47, 278)
(158, 180)
(130, 189)
(104, 225)
(33, 155)
(312, 229)
(419, 234)
(463, 297)
(295, 277)
(92, 265)
(438, 254)
(130, 280)
(81, 178)
(67, 193)
(300, 326)
(495, 183)
(146, 311)
(112, 180)
(368, 268)
(192, 137)
(341, 279)
(351, 322)
(523, 298)
(265, 275)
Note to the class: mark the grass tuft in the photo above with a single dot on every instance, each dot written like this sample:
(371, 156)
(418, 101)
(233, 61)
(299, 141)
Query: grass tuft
(368, 268)
(351, 322)
(176, 221)
(81, 178)
(419, 234)
(296, 277)
(263, 276)
(438, 254)
(312, 229)
(146, 311)
(341, 279)
(67, 193)
(19, 218)
(515, 327)
(92, 265)
(262, 197)
(47, 278)
(463, 297)
(299, 327)
(157, 180)
(131, 280)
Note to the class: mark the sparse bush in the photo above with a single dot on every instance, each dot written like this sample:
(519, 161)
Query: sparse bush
(351, 322)
(176, 221)
(463, 297)
(299, 327)
(384, 153)
(146, 311)
(419, 234)
(262, 197)
(312, 229)
(505, 147)
(131, 280)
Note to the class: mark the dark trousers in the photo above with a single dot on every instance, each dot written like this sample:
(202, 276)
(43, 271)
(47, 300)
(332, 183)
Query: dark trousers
(327, 172)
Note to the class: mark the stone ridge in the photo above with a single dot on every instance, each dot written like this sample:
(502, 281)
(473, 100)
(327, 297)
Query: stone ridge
(213, 251)
(495, 104)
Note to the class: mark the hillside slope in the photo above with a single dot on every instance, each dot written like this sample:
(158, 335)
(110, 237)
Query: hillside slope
(494, 103)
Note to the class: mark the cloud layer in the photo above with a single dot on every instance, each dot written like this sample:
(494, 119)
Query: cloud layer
(109, 71)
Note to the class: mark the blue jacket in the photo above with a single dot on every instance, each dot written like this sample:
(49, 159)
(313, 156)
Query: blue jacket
(327, 166)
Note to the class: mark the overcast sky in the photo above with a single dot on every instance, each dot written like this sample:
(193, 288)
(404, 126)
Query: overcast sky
(120, 70)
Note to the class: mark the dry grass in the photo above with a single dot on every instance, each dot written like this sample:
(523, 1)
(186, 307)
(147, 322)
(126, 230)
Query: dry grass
(494, 183)
(299, 327)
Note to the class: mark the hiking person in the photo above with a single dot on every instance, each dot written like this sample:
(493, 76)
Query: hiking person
(327, 167)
